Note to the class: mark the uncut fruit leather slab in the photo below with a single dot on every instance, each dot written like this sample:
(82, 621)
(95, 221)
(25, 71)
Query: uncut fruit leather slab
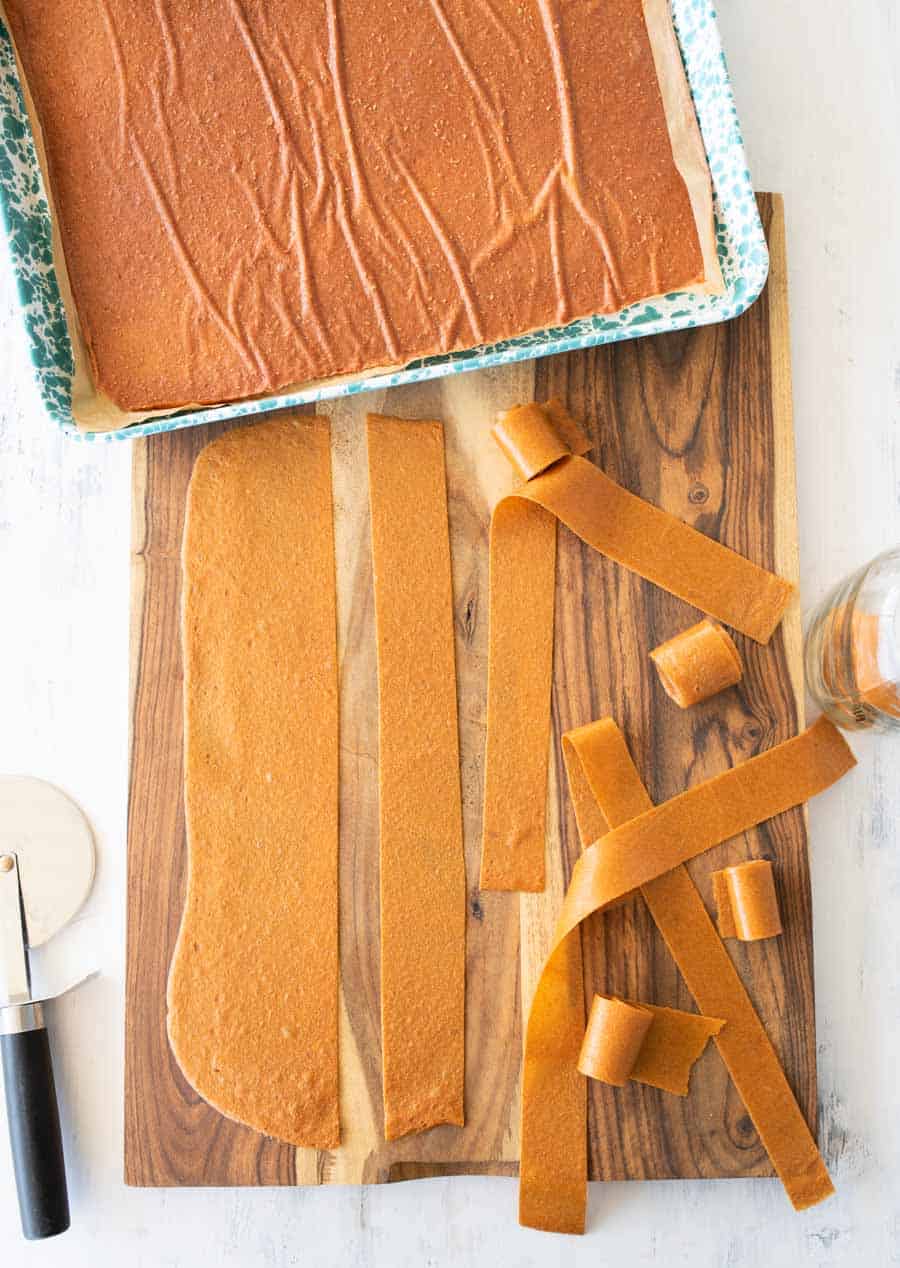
(252, 195)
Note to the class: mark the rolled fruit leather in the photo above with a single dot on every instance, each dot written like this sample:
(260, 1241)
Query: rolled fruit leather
(746, 901)
(697, 663)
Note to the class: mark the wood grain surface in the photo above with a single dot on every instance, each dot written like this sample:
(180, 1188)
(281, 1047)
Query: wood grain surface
(699, 422)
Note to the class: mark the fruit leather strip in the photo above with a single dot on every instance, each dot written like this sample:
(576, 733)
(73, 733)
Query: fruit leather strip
(606, 789)
(423, 875)
(647, 540)
(520, 657)
(655, 842)
(253, 988)
(545, 445)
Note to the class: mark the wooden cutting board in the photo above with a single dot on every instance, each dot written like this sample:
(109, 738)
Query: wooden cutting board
(698, 422)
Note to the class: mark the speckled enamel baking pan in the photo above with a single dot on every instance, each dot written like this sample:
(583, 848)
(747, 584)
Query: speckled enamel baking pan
(742, 253)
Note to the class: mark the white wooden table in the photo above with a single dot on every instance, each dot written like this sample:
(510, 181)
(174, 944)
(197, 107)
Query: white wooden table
(817, 87)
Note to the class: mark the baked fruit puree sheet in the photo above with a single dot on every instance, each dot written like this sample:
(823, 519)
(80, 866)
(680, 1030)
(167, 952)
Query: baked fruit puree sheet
(423, 872)
(258, 194)
(545, 446)
(644, 1042)
(253, 988)
(635, 843)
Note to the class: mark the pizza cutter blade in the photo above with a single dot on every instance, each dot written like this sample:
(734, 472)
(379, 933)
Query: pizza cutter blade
(46, 872)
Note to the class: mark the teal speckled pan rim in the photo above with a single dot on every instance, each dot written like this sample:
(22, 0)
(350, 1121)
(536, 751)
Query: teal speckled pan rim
(741, 245)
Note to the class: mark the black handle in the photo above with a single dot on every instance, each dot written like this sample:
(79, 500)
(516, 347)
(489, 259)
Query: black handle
(34, 1133)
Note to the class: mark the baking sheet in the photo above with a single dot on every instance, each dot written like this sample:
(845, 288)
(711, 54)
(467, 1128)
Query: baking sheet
(735, 237)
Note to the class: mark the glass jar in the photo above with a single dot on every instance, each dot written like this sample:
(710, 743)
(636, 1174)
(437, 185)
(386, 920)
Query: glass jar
(852, 648)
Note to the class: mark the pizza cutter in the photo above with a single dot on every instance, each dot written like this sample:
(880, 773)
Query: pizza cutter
(46, 872)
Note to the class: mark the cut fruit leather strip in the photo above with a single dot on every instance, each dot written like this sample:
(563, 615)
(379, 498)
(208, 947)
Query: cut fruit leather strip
(697, 663)
(660, 548)
(423, 877)
(673, 1044)
(655, 842)
(553, 1167)
(642, 537)
(746, 901)
(520, 670)
(606, 788)
(645, 1042)
(253, 988)
(553, 1129)
(683, 921)
(545, 444)
(520, 659)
